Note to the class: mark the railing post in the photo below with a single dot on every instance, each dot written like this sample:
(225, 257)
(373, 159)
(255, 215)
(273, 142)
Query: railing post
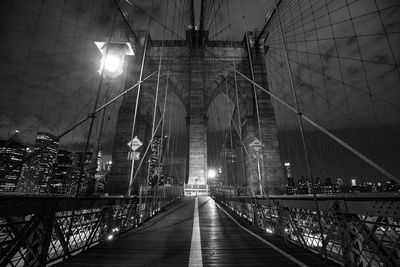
(253, 207)
(47, 231)
(346, 241)
(139, 210)
(107, 227)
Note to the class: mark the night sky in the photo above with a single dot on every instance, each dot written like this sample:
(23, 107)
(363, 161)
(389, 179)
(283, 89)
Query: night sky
(348, 85)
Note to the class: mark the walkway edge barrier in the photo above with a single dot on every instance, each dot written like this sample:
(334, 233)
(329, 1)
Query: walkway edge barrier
(358, 229)
(43, 230)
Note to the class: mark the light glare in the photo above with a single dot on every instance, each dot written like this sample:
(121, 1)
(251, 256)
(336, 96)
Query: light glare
(112, 63)
(212, 173)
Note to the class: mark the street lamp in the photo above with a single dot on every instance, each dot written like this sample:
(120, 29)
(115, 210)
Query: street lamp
(114, 53)
(111, 66)
(212, 173)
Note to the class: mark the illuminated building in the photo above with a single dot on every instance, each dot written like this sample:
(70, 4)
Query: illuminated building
(290, 187)
(11, 155)
(77, 158)
(155, 162)
(38, 171)
(62, 175)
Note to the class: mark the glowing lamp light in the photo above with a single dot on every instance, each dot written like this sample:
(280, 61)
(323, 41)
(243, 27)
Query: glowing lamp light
(212, 173)
(112, 62)
(269, 230)
(110, 237)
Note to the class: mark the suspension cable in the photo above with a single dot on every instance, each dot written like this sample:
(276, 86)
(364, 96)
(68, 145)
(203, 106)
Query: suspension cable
(128, 193)
(93, 114)
(236, 90)
(154, 19)
(299, 115)
(230, 127)
(144, 156)
(156, 102)
(255, 101)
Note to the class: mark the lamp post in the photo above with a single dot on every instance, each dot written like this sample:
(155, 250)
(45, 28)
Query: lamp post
(111, 66)
(113, 57)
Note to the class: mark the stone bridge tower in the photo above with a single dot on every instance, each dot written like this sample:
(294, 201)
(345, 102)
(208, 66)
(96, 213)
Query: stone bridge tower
(197, 69)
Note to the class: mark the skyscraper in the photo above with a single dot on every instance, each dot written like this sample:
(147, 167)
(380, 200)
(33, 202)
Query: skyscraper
(77, 158)
(11, 155)
(62, 174)
(38, 171)
(290, 186)
(154, 161)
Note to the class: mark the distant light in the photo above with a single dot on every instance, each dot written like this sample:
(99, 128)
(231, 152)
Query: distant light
(16, 131)
(269, 230)
(212, 173)
(287, 164)
(110, 237)
(110, 162)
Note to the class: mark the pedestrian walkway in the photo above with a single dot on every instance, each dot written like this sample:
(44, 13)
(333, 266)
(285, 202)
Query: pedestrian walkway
(195, 232)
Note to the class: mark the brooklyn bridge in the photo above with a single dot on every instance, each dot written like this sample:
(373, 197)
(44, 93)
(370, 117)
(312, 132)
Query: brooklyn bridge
(200, 133)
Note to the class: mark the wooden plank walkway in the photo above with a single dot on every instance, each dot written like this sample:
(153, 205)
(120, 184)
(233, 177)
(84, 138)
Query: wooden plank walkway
(166, 240)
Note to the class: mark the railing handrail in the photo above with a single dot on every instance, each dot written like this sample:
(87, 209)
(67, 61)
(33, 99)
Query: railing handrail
(360, 196)
(17, 205)
(357, 229)
(57, 227)
(395, 196)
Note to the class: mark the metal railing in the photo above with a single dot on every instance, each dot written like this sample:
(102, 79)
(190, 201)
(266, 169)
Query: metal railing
(358, 230)
(40, 230)
(196, 190)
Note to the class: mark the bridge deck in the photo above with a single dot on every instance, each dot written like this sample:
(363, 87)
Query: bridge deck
(173, 239)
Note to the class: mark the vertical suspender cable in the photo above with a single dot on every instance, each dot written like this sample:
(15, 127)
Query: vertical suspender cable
(230, 130)
(300, 122)
(167, 148)
(147, 149)
(156, 99)
(155, 110)
(237, 94)
(249, 53)
(137, 105)
(313, 93)
(163, 124)
(93, 114)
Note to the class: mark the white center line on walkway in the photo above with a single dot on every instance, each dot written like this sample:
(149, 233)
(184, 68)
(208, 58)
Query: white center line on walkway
(263, 240)
(196, 258)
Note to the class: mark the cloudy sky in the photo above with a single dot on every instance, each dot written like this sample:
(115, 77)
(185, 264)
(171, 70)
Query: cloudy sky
(349, 85)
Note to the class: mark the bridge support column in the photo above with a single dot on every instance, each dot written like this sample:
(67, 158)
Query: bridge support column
(272, 179)
(197, 149)
(197, 123)
(118, 181)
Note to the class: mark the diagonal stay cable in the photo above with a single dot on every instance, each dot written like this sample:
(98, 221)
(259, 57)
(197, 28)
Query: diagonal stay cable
(8, 170)
(325, 131)
(154, 19)
(310, 121)
(144, 155)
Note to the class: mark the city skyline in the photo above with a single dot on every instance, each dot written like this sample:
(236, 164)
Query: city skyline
(200, 133)
(44, 110)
